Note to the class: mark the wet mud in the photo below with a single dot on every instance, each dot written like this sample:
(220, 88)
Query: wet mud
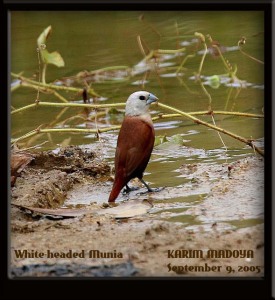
(218, 207)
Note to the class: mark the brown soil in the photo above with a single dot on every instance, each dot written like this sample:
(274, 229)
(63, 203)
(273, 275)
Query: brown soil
(139, 245)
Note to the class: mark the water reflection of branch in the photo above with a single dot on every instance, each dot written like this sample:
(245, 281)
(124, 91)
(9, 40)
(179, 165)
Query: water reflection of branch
(241, 42)
(184, 61)
(201, 36)
(198, 74)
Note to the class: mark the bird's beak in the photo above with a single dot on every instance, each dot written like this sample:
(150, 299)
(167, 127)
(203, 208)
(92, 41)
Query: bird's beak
(152, 98)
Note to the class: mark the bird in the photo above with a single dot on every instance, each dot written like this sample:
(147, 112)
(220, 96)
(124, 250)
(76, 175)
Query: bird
(135, 143)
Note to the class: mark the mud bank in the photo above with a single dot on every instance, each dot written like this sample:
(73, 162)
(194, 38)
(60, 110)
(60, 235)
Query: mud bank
(171, 237)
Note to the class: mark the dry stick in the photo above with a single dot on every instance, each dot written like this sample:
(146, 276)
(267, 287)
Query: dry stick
(160, 116)
(199, 113)
(177, 34)
(96, 126)
(198, 121)
(108, 69)
(50, 130)
(39, 67)
(201, 36)
(141, 46)
(214, 122)
(52, 104)
(33, 147)
(202, 86)
(242, 42)
(39, 89)
(163, 51)
(53, 86)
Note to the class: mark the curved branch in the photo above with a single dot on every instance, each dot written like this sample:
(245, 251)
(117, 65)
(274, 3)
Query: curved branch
(198, 121)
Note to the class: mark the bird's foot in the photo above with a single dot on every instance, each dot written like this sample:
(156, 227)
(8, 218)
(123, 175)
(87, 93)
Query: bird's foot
(152, 190)
(128, 189)
(108, 205)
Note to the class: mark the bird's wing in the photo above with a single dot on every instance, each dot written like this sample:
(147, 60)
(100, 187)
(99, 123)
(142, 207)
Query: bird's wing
(135, 144)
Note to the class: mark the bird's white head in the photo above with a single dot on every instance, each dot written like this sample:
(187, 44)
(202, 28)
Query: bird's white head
(138, 103)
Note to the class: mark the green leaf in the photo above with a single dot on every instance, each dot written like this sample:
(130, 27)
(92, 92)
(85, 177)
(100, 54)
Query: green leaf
(44, 36)
(214, 81)
(53, 58)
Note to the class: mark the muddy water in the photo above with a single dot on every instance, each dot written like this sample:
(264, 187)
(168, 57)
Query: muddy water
(197, 195)
(90, 41)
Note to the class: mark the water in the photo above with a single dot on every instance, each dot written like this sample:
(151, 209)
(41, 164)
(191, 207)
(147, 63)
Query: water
(95, 40)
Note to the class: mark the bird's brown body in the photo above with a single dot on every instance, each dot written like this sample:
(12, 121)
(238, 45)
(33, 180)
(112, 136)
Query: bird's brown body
(134, 147)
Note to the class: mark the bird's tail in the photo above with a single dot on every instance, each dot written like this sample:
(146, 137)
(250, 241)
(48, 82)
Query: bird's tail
(118, 185)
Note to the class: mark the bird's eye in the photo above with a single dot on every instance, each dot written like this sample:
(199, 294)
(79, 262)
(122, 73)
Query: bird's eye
(141, 97)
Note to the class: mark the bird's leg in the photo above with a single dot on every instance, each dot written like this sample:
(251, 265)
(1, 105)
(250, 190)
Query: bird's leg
(149, 189)
(127, 189)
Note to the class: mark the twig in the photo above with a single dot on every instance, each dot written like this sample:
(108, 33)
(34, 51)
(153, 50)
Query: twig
(39, 89)
(50, 130)
(53, 104)
(94, 106)
(198, 113)
(201, 36)
(198, 121)
(160, 116)
(55, 87)
(33, 147)
(242, 41)
(214, 122)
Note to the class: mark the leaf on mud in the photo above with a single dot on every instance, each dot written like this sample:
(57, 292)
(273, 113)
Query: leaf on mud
(124, 210)
(128, 209)
(19, 160)
(53, 58)
(55, 213)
